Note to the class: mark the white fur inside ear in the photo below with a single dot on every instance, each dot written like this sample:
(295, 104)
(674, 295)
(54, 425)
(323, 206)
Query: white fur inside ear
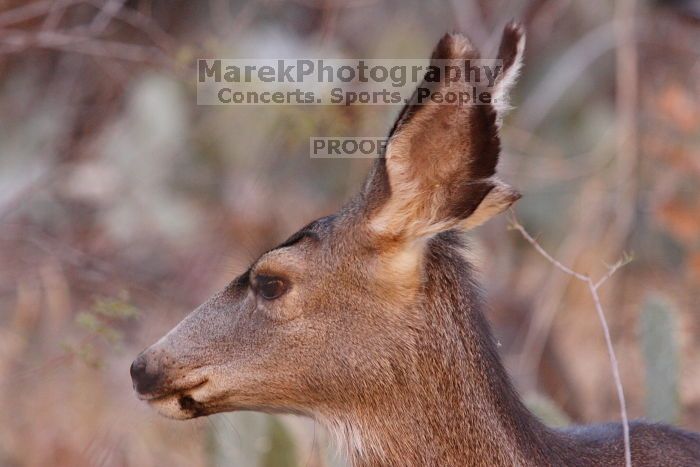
(501, 92)
(496, 201)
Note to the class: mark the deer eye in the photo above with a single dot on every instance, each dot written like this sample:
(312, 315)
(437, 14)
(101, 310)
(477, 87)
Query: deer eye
(270, 287)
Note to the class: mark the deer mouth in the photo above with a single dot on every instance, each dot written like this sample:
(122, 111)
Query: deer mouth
(178, 403)
(166, 393)
(191, 406)
(204, 399)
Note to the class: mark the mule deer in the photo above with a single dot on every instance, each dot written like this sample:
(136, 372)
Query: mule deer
(369, 320)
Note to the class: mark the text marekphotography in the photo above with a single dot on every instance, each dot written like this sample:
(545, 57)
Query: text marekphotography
(345, 81)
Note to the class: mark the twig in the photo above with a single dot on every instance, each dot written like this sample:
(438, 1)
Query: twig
(53, 10)
(105, 15)
(15, 40)
(54, 15)
(29, 11)
(17, 199)
(626, 112)
(318, 4)
(593, 287)
(565, 71)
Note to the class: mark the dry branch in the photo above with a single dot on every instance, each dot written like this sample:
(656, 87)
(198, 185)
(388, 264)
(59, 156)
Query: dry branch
(593, 287)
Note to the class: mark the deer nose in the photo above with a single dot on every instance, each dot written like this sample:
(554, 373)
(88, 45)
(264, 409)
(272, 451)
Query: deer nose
(144, 381)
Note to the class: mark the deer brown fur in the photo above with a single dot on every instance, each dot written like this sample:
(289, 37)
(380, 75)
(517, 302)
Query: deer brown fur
(370, 321)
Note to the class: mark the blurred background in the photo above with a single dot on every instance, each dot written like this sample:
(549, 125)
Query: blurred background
(123, 205)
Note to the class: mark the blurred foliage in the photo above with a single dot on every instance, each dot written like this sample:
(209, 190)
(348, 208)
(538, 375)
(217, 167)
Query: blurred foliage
(281, 451)
(659, 336)
(112, 178)
(102, 320)
(546, 410)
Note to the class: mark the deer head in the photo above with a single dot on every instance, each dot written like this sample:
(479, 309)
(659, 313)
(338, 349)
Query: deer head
(348, 312)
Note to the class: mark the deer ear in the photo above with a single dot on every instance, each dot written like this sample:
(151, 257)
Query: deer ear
(438, 171)
(510, 55)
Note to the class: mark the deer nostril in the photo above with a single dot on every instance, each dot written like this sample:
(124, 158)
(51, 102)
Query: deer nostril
(138, 367)
(142, 380)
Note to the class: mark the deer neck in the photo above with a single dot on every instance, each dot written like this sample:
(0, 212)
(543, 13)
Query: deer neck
(455, 405)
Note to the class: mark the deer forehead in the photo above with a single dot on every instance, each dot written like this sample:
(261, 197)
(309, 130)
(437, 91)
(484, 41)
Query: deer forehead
(291, 260)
